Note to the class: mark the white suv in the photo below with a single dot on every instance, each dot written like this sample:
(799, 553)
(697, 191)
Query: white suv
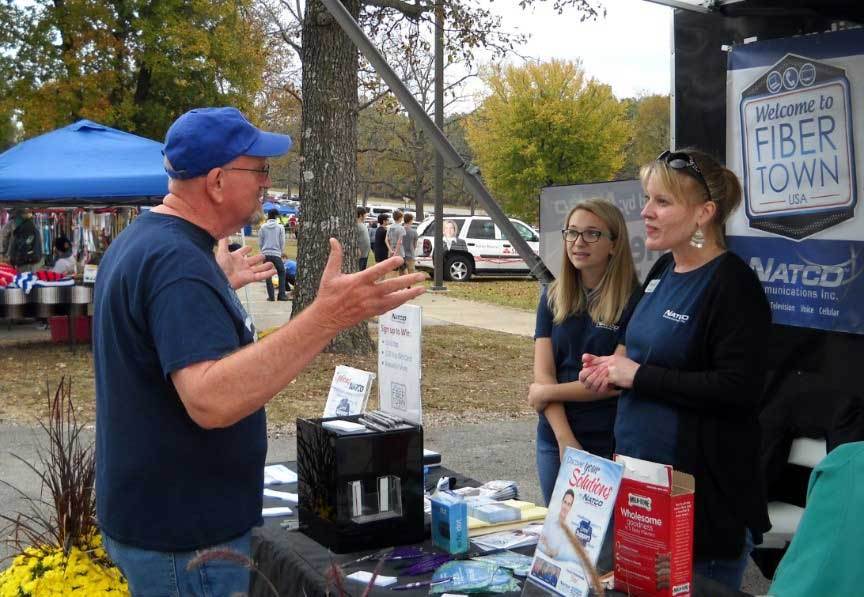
(475, 245)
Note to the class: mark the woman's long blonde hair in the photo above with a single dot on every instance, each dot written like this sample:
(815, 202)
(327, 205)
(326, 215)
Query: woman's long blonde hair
(567, 295)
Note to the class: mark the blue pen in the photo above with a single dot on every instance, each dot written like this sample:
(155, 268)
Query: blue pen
(421, 583)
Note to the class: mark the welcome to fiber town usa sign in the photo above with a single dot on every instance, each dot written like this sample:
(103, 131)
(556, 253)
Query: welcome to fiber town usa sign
(794, 113)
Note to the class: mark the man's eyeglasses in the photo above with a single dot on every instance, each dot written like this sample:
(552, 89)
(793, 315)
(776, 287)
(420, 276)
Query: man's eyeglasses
(679, 160)
(265, 170)
(571, 235)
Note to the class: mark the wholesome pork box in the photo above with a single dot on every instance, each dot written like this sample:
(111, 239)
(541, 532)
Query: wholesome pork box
(653, 546)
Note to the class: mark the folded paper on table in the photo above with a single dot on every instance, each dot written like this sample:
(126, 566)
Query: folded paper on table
(286, 496)
(275, 474)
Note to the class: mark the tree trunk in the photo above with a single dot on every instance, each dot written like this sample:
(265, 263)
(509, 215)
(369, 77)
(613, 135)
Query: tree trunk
(328, 182)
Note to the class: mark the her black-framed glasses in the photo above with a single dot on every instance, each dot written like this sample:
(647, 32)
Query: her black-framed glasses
(590, 236)
(680, 160)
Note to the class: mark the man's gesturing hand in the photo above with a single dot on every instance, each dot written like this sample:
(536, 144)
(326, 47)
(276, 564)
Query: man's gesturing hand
(241, 269)
(345, 300)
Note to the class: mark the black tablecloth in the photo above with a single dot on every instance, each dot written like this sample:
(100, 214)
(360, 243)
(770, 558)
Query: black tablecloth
(298, 565)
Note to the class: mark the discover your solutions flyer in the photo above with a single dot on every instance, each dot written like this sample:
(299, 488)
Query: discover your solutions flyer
(581, 502)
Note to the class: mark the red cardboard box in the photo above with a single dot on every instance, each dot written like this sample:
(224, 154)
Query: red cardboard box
(653, 530)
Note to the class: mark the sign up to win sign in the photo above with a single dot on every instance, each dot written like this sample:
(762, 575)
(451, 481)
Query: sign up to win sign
(794, 113)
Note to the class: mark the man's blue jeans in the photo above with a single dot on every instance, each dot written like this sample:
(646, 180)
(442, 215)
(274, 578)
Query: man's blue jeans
(165, 573)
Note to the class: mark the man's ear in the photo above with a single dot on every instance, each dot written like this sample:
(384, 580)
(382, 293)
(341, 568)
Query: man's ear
(215, 185)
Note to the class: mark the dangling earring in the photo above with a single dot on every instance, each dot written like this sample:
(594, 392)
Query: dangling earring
(698, 238)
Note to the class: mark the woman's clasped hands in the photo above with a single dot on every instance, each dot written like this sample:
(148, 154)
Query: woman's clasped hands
(601, 374)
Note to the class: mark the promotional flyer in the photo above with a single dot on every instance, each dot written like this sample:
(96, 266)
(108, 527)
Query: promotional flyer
(579, 510)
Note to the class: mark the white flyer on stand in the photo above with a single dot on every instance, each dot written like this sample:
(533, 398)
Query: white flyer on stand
(349, 392)
(399, 335)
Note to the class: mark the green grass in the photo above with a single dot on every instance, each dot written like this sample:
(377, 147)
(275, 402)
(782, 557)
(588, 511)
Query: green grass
(517, 293)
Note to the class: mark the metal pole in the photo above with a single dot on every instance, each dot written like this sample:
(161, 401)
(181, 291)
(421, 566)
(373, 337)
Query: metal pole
(442, 146)
(438, 254)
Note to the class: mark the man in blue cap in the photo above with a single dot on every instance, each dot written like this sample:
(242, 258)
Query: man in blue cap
(180, 425)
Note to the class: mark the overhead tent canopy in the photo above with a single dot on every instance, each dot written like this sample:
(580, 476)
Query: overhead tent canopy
(85, 163)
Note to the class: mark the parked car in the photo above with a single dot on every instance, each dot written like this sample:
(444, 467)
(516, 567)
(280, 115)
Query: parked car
(475, 246)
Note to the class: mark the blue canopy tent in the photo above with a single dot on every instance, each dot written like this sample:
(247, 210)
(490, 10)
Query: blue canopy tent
(284, 210)
(84, 163)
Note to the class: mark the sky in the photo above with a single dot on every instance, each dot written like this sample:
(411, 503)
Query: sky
(630, 49)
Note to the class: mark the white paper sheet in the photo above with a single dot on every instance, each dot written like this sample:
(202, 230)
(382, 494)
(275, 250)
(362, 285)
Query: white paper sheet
(282, 511)
(278, 473)
(281, 495)
(365, 577)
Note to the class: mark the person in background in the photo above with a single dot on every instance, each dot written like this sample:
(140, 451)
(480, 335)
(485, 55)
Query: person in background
(24, 244)
(692, 370)
(409, 242)
(363, 241)
(395, 234)
(580, 312)
(271, 242)
(290, 276)
(380, 248)
(372, 228)
(65, 263)
(181, 382)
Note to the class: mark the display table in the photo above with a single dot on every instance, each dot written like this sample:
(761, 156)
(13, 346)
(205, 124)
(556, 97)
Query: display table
(298, 565)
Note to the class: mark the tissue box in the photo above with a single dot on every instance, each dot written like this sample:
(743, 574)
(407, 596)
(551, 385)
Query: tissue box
(450, 522)
(361, 490)
(654, 530)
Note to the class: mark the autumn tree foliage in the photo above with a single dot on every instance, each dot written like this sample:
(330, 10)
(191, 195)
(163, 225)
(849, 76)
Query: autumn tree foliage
(649, 114)
(545, 123)
(132, 64)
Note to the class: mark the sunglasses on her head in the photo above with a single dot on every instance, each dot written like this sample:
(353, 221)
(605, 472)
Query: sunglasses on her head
(679, 160)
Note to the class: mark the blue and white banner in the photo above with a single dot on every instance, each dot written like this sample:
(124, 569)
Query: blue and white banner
(795, 110)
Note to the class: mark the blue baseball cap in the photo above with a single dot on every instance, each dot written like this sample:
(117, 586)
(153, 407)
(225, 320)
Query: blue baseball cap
(207, 138)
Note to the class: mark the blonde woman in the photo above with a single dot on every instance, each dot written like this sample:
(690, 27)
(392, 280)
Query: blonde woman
(691, 372)
(579, 313)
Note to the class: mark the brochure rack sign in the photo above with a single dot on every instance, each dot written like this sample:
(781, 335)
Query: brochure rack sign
(349, 391)
(794, 117)
(399, 340)
(579, 510)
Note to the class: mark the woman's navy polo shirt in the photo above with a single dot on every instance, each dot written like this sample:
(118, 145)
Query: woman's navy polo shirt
(573, 337)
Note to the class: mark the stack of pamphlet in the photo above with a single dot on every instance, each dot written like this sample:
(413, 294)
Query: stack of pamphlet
(528, 512)
(495, 490)
(510, 539)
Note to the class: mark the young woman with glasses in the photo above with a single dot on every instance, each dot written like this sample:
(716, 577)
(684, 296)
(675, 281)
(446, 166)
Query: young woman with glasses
(579, 313)
(691, 371)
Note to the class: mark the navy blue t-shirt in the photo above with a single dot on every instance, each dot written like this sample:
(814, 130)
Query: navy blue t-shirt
(162, 482)
(660, 333)
(572, 338)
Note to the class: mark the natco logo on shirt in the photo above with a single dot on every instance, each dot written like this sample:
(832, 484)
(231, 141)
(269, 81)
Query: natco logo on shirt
(676, 317)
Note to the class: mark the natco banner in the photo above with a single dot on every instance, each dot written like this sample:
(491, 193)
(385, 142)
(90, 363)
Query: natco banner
(795, 109)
